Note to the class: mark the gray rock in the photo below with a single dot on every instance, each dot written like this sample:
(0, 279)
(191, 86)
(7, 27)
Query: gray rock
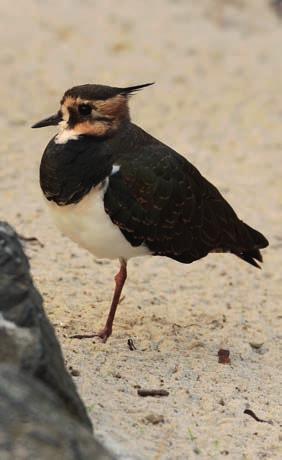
(41, 413)
(35, 424)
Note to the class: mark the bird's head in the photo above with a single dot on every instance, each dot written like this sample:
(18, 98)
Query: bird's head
(94, 110)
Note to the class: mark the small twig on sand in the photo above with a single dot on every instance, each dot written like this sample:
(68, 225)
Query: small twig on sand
(252, 414)
(131, 345)
(31, 239)
(144, 393)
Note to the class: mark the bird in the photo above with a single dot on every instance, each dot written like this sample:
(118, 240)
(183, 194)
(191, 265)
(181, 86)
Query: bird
(120, 193)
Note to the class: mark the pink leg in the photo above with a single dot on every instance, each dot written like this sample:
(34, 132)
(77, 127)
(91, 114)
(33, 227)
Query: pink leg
(105, 333)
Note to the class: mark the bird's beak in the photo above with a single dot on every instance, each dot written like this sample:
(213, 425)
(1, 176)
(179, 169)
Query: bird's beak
(50, 121)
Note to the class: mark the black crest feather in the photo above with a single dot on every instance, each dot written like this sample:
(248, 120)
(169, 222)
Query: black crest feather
(133, 89)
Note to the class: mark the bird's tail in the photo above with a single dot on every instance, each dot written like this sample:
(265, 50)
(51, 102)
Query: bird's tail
(255, 241)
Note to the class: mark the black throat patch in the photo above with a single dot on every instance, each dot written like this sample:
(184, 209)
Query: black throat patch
(69, 171)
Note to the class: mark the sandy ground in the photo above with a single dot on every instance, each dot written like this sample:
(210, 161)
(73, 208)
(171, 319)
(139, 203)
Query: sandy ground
(218, 68)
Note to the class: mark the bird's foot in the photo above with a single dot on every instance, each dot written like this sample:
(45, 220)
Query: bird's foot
(104, 334)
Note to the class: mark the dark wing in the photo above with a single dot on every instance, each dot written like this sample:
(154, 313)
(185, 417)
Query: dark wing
(159, 199)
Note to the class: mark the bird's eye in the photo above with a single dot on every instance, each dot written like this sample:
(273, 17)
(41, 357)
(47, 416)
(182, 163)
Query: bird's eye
(84, 109)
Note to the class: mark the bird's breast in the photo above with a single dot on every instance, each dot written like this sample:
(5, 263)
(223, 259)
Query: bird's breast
(87, 223)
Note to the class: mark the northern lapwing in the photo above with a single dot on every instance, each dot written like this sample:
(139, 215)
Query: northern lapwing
(120, 193)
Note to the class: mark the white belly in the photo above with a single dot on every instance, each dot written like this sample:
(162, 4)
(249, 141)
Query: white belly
(89, 226)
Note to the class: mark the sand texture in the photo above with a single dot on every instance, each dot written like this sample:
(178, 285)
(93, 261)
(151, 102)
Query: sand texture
(217, 100)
